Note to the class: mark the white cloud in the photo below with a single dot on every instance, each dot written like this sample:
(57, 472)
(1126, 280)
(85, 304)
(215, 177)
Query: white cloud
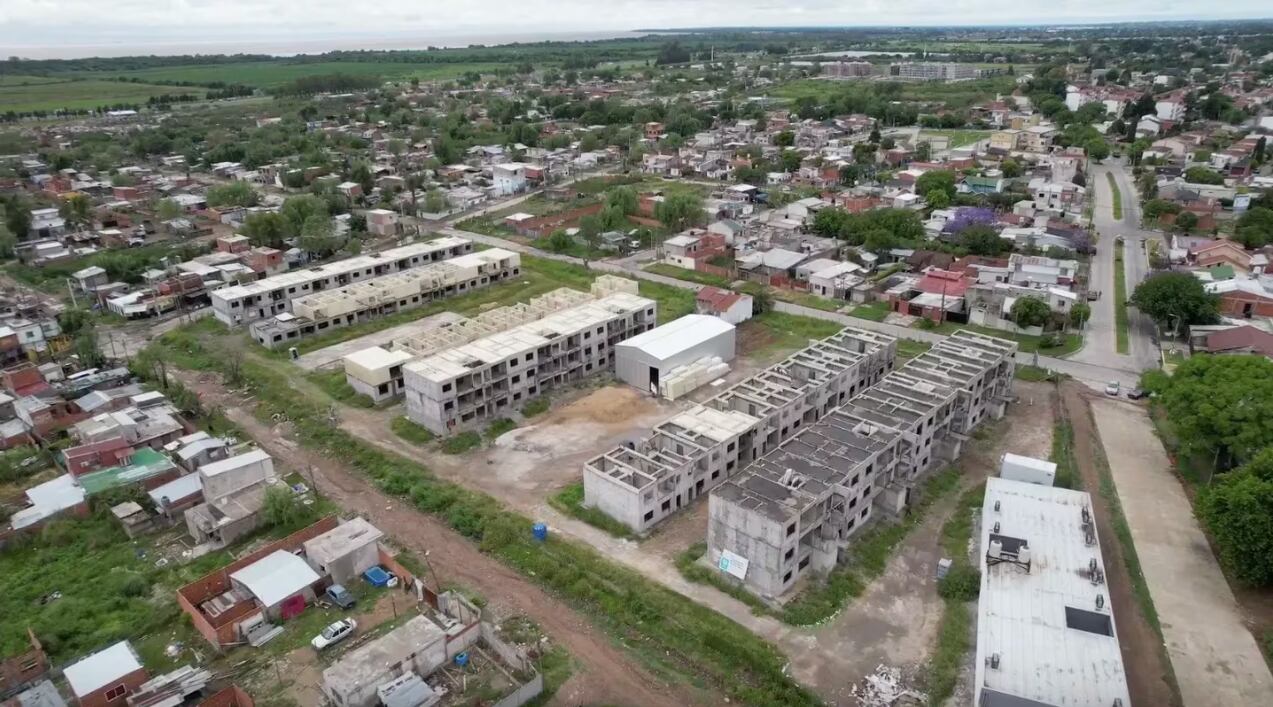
(45, 27)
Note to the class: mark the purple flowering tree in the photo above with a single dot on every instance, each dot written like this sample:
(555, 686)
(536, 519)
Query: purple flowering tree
(970, 216)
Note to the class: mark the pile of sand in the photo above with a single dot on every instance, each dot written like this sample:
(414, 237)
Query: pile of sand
(609, 405)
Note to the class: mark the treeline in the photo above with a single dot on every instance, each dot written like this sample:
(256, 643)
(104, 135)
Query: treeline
(327, 83)
(221, 89)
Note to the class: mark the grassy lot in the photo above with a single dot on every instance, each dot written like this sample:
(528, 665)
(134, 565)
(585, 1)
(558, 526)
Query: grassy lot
(787, 332)
(701, 278)
(1026, 343)
(335, 385)
(1117, 195)
(678, 639)
(804, 299)
(1121, 324)
(1067, 476)
(874, 311)
(907, 348)
(268, 74)
(411, 431)
(956, 138)
(54, 95)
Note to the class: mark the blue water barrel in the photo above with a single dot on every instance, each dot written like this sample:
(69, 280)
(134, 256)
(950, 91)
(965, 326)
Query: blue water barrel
(461, 659)
(540, 531)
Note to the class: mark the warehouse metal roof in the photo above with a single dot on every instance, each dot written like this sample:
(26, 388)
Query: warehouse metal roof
(676, 336)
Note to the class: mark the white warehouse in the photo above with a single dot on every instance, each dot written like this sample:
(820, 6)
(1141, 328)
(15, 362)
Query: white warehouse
(646, 360)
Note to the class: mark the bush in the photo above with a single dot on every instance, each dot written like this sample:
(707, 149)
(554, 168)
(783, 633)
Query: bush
(1238, 510)
(538, 406)
(461, 443)
(961, 583)
(499, 427)
(570, 501)
(411, 431)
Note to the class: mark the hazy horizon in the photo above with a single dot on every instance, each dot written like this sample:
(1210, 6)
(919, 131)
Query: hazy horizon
(59, 29)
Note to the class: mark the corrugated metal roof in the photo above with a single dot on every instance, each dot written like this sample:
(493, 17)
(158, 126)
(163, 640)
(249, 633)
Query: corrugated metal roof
(678, 335)
(276, 577)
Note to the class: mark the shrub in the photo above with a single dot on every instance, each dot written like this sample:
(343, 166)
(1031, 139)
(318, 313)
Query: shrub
(411, 431)
(461, 443)
(538, 406)
(961, 583)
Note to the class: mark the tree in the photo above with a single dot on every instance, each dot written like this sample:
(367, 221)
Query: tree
(1030, 312)
(1255, 228)
(1219, 406)
(981, 239)
(937, 199)
(1187, 221)
(1203, 175)
(265, 229)
(1097, 148)
(790, 160)
(680, 211)
(1238, 511)
(874, 137)
(232, 194)
(435, 201)
(17, 215)
(77, 210)
(1176, 300)
(672, 53)
(297, 210)
(924, 151)
(624, 198)
(167, 209)
(786, 138)
(939, 179)
(318, 235)
(361, 173)
(1079, 314)
(1011, 168)
(558, 242)
(281, 508)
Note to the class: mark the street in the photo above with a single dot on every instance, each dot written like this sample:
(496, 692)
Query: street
(1100, 348)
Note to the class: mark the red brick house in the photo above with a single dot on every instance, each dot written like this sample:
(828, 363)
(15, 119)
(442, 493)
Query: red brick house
(98, 455)
(106, 677)
(22, 669)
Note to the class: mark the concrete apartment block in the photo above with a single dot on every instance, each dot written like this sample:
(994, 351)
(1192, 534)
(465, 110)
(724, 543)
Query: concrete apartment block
(382, 296)
(376, 372)
(644, 483)
(794, 509)
(797, 508)
(243, 304)
(482, 380)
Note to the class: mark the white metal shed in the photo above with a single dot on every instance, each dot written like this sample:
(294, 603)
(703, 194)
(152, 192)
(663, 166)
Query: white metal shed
(645, 360)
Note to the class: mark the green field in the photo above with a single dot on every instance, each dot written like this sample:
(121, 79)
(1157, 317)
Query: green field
(53, 94)
(17, 80)
(268, 74)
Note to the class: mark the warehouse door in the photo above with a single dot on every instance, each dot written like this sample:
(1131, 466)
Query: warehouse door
(654, 380)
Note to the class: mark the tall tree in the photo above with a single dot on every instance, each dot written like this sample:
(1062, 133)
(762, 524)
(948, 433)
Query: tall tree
(77, 210)
(1030, 312)
(680, 211)
(1176, 300)
(1238, 510)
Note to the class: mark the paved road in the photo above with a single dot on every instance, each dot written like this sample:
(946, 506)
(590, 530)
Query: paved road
(1215, 657)
(1101, 348)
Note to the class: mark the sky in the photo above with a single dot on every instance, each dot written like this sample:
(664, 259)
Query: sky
(56, 27)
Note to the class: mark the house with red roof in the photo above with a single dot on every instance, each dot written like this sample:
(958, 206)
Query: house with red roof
(733, 307)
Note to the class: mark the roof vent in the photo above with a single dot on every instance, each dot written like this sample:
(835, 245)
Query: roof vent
(994, 661)
(996, 506)
(1100, 601)
(996, 524)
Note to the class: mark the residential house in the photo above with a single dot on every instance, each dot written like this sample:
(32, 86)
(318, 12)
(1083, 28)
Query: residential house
(346, 551)
(733, 307)
(106, 677)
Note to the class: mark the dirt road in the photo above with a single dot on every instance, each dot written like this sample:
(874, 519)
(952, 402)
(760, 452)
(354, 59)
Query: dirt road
(1144, 661)
(1216, 660)
(604, 674)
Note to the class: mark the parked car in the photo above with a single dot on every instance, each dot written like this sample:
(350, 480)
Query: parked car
(338, 595)
(1136, 394)
(1093, 295)
(1112, 388)
(334, 634)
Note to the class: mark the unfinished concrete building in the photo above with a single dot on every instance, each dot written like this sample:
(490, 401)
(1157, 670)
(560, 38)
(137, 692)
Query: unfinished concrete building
(485, 379)
(644, 483)
(796, 509)
(382, 296)
(243, 304)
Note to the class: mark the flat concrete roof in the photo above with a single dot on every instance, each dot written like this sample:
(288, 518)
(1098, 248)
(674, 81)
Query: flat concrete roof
(341, 540)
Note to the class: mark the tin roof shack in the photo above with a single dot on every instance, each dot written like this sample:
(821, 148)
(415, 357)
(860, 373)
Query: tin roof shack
(346, 551)
(107, 676)
(146, 468)
(198, 448)
(175, 497)
(224, 612)
(1045, 627)
(50, 499)
(647, 360)
(282, 583)
(22, 669)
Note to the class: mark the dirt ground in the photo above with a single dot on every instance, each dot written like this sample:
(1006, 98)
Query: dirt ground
(604, 674)
(1144, 661)
(1214, 656)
